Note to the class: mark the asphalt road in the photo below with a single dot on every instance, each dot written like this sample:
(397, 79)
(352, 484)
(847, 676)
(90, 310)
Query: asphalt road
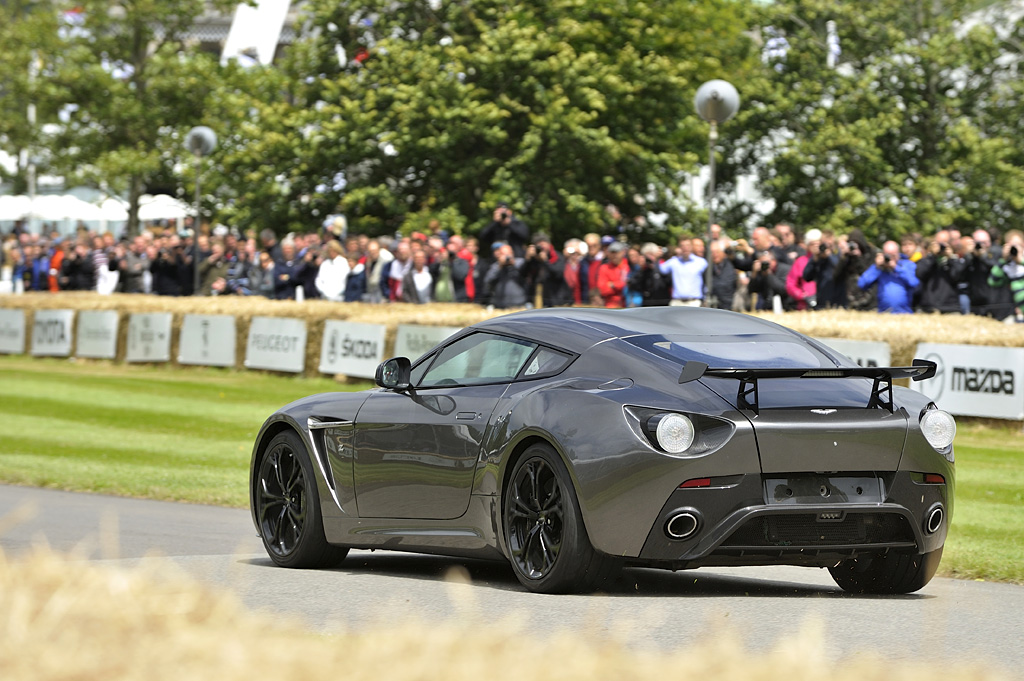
(949, 620)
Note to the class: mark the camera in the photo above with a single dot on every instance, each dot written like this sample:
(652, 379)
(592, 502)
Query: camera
(942, 248)
(1014, 252)
(978, 247)
(822, 248)
(888, 260)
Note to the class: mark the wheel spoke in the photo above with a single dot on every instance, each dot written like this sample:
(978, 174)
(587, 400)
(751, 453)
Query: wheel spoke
(548, 550)
(520, 509)
(533, 492)
(554, 500)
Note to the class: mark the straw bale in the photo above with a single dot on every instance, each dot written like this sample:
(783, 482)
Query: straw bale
(314, 312)
(63, 618)
(901, 332)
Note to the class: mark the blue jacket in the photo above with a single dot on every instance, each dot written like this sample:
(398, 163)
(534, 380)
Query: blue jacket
(896, 288)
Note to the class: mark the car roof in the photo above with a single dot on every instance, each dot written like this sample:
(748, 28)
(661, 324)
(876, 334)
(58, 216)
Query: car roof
(577, 329)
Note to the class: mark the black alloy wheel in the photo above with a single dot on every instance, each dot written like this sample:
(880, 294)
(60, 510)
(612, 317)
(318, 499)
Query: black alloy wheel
(288, 507)
(547, 542)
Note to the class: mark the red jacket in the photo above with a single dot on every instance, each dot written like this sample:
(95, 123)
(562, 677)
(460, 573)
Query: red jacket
(611, 281)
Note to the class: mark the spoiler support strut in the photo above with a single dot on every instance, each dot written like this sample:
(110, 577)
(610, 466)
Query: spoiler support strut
(747, 393)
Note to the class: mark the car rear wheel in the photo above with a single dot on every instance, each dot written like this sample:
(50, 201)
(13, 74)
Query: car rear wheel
(548, 544)
(891, 573)
(288, 507)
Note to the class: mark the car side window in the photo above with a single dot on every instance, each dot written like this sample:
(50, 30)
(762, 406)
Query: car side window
(546, 362)
(476, 359)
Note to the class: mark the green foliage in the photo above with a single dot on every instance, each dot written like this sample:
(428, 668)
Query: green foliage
(899, 137)
(559, 107)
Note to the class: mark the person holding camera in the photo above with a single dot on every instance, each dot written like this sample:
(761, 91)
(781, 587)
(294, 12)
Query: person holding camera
(896, 278)
(825, 267)
(980, 256)
(504, 279)
(940, 272)
(545, 267)
(507, 229)
(1009, 272)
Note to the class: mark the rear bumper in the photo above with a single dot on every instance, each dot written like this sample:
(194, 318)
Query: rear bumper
(818, 519)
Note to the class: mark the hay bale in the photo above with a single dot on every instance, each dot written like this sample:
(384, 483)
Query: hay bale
(901, 332)
(63, 618)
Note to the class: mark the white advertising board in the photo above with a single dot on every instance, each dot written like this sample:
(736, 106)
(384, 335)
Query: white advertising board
(277, 344)
(96, 336)
(12, 332)
(51, 333)
(207, 340)
(864, 353)
(975, 380)
(149, 337)
(352, 349)
(255, 31)
(412, 341)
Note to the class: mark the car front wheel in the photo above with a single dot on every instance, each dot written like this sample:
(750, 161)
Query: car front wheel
(891, 573)
(288, 507)
(548, 544)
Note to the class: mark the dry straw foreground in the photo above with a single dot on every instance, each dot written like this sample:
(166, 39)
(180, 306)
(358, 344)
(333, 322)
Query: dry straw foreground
(902, 332)
(66, 619)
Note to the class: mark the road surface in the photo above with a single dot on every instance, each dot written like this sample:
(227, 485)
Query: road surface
(949, 619)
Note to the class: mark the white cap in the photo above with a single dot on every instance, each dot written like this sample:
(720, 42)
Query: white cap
(812, 235)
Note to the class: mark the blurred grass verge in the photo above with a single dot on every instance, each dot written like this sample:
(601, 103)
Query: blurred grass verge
(186, 434)
(64, 619)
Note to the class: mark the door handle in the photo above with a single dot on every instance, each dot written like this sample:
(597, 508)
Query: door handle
(466, 416)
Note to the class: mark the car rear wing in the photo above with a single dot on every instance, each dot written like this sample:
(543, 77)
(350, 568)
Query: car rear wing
(747, 398)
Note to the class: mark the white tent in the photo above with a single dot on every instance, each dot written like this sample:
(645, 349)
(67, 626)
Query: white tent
(162, 207)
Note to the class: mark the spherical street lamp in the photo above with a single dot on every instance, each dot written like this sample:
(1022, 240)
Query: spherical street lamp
(201, 141)
(716, 102)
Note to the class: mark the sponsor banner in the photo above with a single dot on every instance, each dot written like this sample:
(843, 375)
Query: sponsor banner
(51, 333)
(413, 341)
(864, 353)
(352, 349)
(277, 344)
(208, 340)
(12, 332)
(975, 380)
(96, 337)
(149, 337)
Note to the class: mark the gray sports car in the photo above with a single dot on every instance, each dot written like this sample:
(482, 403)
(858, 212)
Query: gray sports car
(572, 442)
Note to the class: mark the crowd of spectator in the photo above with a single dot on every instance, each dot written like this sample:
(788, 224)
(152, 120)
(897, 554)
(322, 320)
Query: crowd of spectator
(506, 266)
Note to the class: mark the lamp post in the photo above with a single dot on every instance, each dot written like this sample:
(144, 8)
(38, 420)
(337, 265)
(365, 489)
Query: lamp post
(716, 102)
(201, 141)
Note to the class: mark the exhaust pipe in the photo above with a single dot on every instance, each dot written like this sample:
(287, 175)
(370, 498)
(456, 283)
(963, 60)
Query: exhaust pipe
(682, 524)
(933, 521)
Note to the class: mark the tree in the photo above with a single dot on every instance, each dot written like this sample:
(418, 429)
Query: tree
(120, 87)
(27, 32)
(894, 138)
(560, 107)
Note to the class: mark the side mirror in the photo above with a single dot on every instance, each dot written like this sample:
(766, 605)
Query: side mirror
(393, 374)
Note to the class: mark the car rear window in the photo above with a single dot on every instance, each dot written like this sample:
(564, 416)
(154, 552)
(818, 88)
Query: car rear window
(765, 351)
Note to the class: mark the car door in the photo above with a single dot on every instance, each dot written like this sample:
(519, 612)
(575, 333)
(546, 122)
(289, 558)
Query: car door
(416, 451)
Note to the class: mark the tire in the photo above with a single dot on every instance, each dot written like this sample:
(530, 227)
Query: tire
(547, 542)
(891, 573)
(287, 507)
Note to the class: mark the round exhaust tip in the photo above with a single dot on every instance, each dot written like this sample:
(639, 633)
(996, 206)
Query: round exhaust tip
(682, 525)
(933, 521)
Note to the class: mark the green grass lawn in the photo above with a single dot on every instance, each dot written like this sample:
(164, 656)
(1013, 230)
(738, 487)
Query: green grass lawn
(161, 433)
(187, 434)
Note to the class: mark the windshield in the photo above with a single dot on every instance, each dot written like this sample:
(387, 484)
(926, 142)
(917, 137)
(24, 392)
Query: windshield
(754, 351)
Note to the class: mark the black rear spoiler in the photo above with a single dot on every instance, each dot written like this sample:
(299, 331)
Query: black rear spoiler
(881, 392)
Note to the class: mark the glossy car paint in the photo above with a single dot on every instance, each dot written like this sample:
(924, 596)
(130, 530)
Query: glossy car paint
(425, 469)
